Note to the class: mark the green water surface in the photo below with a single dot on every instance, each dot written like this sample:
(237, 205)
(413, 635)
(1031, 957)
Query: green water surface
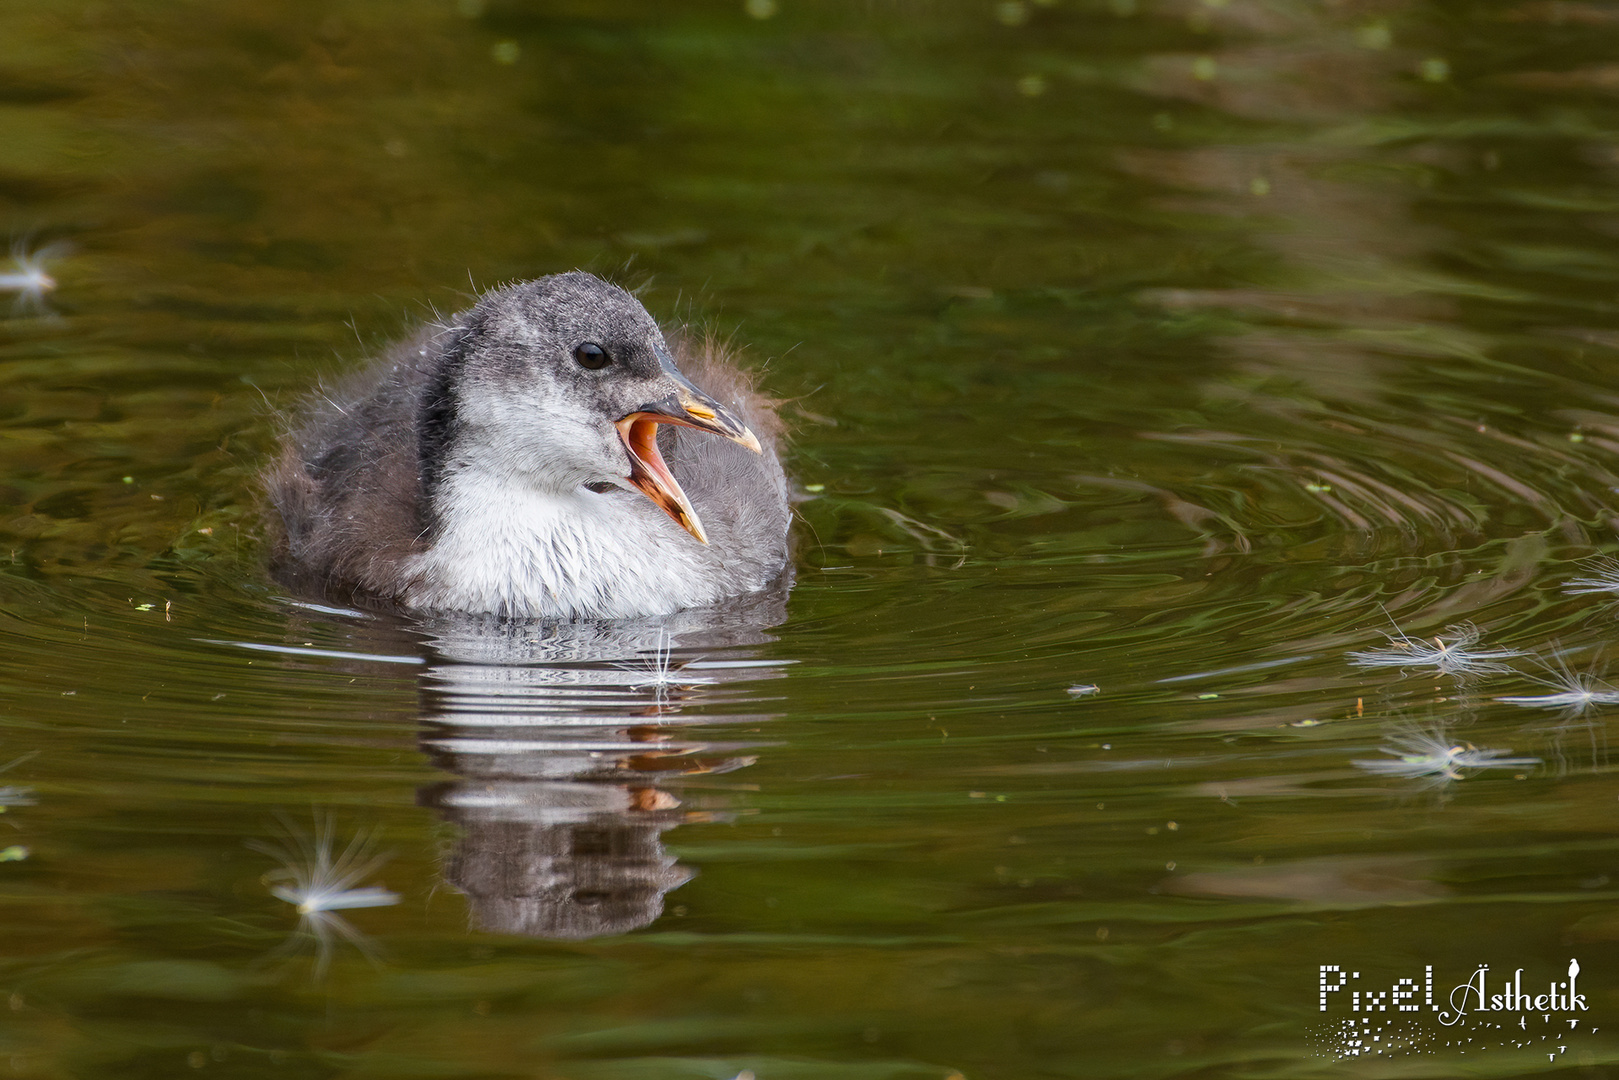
(1171, 348)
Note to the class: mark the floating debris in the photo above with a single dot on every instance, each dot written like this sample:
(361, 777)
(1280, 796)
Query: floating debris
(659, 671)
(1431, 755)
(1574, 692)
(1454, 652)
(1603, 578)
(317, 884)
(29, 279)
(1084, 689)
(12, 795)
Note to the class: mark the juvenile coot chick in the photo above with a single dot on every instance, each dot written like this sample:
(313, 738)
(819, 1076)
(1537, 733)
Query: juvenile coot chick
(540, 457)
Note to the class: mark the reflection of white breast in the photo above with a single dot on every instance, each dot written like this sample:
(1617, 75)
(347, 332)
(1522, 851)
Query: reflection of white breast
(568, 744)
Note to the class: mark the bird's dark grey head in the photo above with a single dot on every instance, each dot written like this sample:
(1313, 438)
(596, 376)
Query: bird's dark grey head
(557, 384)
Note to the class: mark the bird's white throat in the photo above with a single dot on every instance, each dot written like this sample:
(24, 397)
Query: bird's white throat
(511, 547)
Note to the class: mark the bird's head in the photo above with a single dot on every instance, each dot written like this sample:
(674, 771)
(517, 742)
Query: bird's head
(561, 383)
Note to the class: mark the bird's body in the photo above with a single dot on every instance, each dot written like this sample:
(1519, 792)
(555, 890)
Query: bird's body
(541, 456)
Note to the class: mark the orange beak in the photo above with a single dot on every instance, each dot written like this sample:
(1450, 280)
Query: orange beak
(649, 473)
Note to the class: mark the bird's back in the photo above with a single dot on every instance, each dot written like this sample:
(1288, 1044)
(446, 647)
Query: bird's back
(347, 483)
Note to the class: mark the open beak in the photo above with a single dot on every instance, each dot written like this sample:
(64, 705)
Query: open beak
(649, 473)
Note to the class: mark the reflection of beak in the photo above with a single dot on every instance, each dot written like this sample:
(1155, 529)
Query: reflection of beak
(649, 473)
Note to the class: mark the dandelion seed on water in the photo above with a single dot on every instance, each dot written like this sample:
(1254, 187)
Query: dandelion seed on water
(318, 883)
(1602, 577)
(660, 671)
(1419, 754)
(1573, 691)
(29, 279)
(13, 795)
(1454, 652)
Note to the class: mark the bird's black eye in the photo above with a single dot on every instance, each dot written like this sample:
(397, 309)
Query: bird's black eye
(591, 355)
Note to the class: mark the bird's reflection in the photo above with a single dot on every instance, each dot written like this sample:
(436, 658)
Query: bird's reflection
(567, 748)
